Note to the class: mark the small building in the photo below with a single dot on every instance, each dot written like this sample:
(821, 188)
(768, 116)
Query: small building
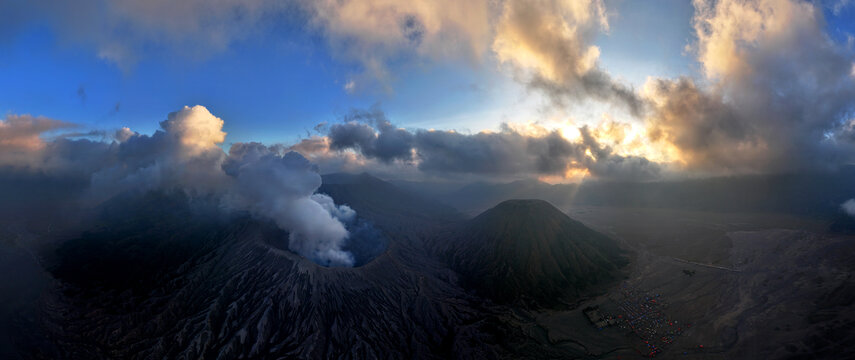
(596, 318)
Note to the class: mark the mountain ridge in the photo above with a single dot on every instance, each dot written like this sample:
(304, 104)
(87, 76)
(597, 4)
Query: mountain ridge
(529, 252)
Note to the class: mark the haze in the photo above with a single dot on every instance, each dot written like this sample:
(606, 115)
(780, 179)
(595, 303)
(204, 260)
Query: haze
(272, 179)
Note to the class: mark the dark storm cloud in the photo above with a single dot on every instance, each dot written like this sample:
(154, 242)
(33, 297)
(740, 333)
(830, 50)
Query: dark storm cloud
(607, 165)
(599, 84)
(709, 132)
(372, 134)
(352, 135)
(596, 84)
(507, 152)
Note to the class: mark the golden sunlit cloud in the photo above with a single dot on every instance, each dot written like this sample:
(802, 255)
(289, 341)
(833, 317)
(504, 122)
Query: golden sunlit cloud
(572, 175)
(21, 141)
(550, 38)
(196, 128)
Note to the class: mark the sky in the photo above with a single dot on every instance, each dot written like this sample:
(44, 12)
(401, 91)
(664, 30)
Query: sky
(556, 90)
(274, 86)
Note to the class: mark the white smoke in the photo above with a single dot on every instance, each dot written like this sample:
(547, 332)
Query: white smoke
(849, 207)
(282, 188)
(341, 212)
(186, 155)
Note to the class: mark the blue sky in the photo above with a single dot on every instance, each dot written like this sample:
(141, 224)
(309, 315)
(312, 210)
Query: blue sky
(275, 87)
(265, 93)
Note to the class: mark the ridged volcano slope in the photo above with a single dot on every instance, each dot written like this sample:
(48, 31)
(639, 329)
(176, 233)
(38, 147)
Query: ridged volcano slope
(530, 252)
(164, 281)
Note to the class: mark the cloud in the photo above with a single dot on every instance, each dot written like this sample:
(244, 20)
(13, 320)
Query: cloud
(508, 152)
(370, 34)
(604, 163)
(549, 45)
(81, 93)
(21, 142)
(121, 31)
(350, 87)
(374, 33)
(776, 89)
(839, 5)
(196, 129)
(24, 131)
(184, 154)
(849, 207)
(709, 132)
(775, 94)
(269, 182)
(358, 132)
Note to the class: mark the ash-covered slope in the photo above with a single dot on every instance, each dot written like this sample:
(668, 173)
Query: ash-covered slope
(169, 284)
(528, 251)
(842, 223)
(164, 276)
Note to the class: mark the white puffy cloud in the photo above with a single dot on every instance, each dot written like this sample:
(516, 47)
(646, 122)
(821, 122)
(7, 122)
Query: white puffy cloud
(185, 155)
(775, 86)
(196, 129)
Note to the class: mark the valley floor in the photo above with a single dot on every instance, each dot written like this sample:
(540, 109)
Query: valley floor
(714, 286)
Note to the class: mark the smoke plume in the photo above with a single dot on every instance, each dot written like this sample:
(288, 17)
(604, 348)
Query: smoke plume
(282, 188)
(849, 207)
(183, 155)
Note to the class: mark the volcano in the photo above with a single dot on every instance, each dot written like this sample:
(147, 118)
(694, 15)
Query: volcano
(178, 283)
(167, 275)
(529, 252)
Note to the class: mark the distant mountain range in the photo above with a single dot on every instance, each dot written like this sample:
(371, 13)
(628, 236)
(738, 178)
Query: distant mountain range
(386, 204)
(814, 194)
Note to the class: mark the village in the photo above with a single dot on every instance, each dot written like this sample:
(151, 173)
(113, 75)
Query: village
(643, 314)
